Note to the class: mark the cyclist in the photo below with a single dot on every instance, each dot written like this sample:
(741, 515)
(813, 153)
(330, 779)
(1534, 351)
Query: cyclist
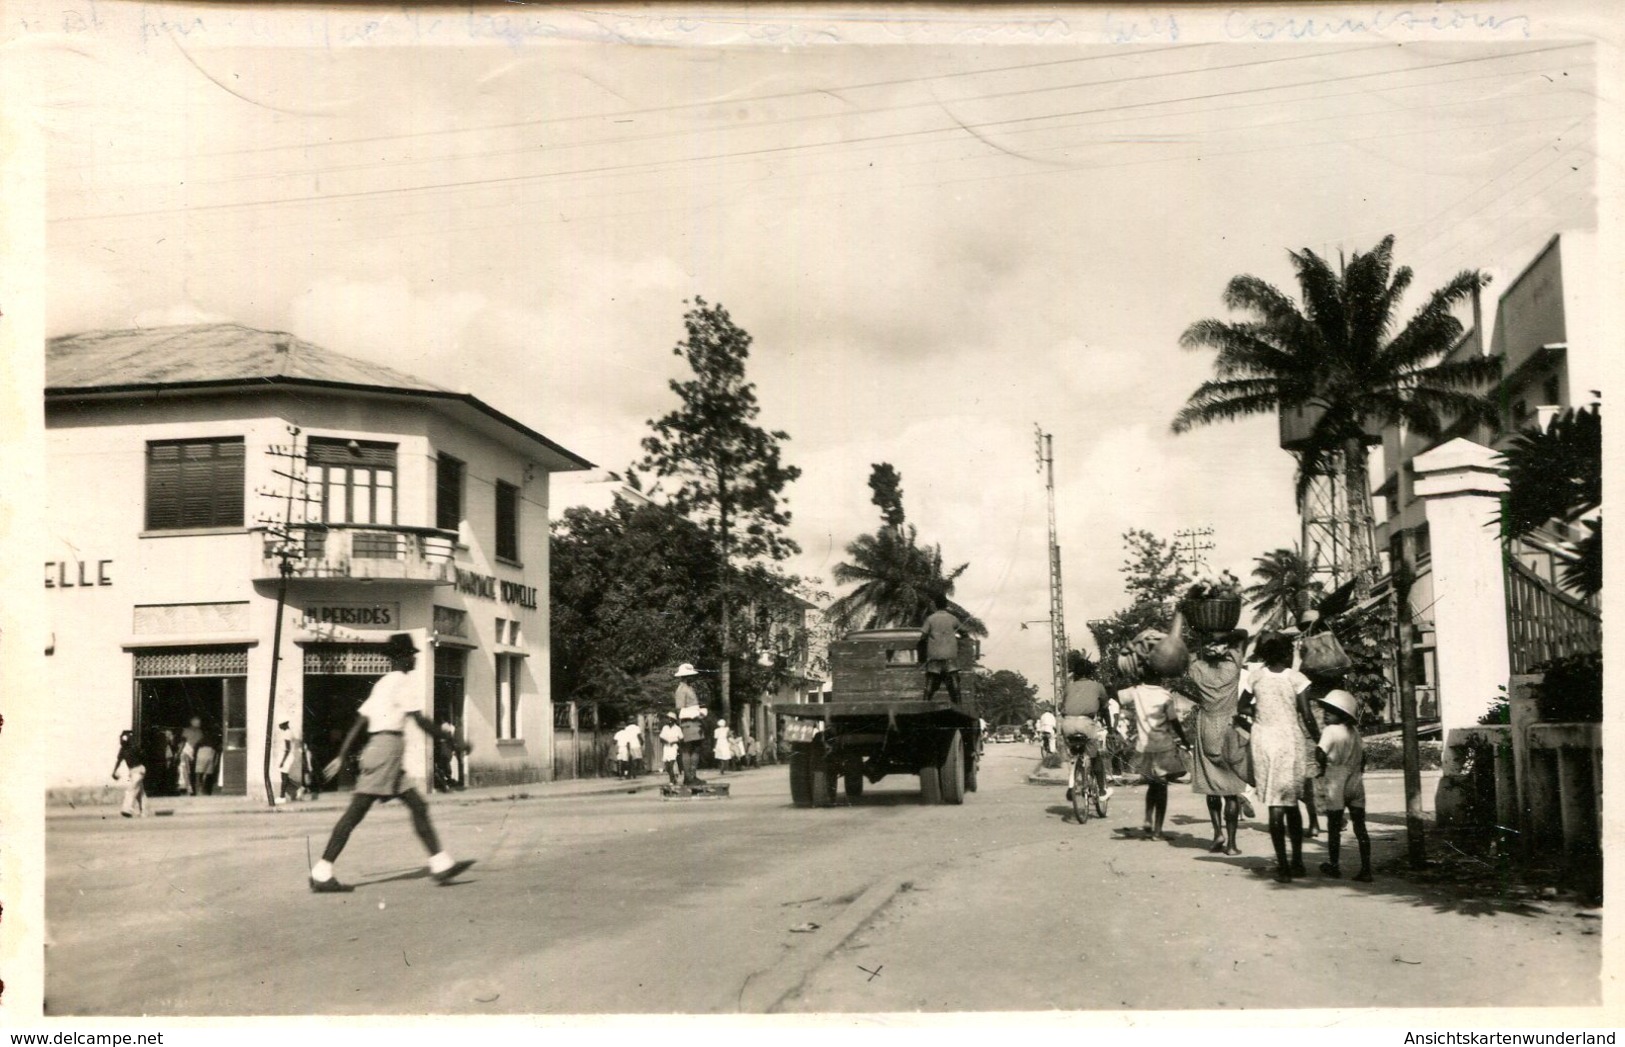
(1083, 720)
(1046, 731)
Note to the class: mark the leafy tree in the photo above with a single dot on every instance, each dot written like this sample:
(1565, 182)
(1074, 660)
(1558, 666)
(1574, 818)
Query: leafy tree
(1555, 473)
(887, 486)
(1005, 697)
(1338, 355)
(632, 594)
(1286, 587)
(1154, 578)
(897, 578)
(730, 472)
(1153, 572)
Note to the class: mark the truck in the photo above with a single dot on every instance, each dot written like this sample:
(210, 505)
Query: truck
(877, 721)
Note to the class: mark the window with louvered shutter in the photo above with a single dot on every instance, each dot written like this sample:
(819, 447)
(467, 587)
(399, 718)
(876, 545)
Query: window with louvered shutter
(507, 521)
(194, 483)
(448, 493)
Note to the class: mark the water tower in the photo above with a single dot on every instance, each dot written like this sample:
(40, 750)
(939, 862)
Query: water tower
(1327, 525)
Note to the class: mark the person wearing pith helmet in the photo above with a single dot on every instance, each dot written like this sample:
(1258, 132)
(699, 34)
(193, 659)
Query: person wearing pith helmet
(1342, 756)
(691, 716)
(395, 699)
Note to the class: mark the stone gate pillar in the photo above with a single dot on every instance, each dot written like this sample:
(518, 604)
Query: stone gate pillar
(1461, 488)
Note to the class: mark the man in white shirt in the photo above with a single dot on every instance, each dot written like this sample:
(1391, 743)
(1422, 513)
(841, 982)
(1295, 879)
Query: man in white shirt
(1046, 731)
(395, 699)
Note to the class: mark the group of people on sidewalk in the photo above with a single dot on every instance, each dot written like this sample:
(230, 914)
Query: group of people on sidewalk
(1248, 729)
(186, 760)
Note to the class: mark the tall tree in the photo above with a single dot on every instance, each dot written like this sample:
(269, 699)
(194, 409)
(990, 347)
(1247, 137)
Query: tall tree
(729, 471)
(887, 486)
(897, 578)
(1286, 587)
(633, 593)
(1338, 354)
(1153, 577)
(1005, 697)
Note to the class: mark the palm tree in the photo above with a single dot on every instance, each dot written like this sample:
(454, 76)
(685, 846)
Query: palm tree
(1286, 587)
(898, 581)
(1338, 354)
(1555, 474)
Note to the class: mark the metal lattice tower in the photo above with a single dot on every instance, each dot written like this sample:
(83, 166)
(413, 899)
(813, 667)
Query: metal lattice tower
(1326, 524)
(1057, 626)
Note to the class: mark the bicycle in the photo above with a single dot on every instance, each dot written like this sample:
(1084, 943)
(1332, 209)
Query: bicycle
(1085, 791)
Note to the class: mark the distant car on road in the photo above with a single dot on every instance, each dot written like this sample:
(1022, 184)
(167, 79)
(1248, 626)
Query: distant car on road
(1007, 733)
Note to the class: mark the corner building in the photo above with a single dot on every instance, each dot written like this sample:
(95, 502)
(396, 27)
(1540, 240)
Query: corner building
(197, 475)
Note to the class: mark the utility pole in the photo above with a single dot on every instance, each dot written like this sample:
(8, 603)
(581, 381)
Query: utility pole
(1057, 625)
(1191, 546)
(289, 536)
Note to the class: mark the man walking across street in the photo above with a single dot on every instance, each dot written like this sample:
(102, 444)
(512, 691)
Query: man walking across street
(129, 754)
(941, 641)
(395, 699)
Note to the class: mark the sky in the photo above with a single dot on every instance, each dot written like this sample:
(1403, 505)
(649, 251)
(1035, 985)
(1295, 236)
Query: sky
(941, 233)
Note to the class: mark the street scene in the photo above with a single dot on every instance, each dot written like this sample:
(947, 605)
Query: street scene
(806, 513)
(577, 904)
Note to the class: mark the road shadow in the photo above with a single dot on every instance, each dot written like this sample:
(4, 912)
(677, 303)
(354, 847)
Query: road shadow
(416, 873)
(1464, 886)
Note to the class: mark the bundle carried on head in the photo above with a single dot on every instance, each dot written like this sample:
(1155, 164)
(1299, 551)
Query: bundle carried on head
(1162, 653)
(1213, 605)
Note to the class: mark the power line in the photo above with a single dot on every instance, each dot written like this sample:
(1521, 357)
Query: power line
(774, 150)
(937, 182)
(673, 108)
(599, 195)
(849, 114)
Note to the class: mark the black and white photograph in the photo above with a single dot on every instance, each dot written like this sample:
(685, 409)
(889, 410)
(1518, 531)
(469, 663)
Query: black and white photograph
(836, 515)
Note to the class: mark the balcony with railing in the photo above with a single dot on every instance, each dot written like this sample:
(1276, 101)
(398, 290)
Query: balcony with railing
(361, 552)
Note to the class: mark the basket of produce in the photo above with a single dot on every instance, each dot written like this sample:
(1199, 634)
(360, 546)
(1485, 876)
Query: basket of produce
(1213, 606)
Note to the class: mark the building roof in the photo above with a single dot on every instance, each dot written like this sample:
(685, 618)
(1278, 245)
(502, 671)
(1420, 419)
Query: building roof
(224, 355)
(212, 353)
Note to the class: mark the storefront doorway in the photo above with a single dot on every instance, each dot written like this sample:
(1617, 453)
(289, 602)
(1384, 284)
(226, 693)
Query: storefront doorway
(450, 769)
(338, 678)
(173, 686)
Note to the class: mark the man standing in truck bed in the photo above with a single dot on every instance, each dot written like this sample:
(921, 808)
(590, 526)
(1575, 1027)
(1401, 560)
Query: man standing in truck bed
(941, 642)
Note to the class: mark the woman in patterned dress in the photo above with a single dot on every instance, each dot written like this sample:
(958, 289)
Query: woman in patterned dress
(1278, 749)
(1218, 766)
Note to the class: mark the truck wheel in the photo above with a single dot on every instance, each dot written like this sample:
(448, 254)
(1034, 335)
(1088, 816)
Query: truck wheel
(821, 779)
(952, 773)
(930, 786)
(971, 764)
(854, 781)
(801, 786)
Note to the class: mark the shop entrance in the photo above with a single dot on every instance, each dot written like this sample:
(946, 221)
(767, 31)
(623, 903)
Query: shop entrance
(450, 769)
(338, 678)
(173, 686)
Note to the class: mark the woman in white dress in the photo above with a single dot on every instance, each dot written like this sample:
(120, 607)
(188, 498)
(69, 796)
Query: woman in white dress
(1279, 734)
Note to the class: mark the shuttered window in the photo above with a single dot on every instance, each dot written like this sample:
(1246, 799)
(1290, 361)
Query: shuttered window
(194, 483)
(507, 521)
(448, 493)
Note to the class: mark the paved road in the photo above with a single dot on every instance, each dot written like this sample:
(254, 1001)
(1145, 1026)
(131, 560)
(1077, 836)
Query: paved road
(628, 903)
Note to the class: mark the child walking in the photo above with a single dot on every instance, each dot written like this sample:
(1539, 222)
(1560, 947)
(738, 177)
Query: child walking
(1341, 756)
(671, 737)
(723, 748)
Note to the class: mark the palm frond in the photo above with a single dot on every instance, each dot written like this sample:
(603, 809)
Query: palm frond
(1226, 401)
(1434, 329)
